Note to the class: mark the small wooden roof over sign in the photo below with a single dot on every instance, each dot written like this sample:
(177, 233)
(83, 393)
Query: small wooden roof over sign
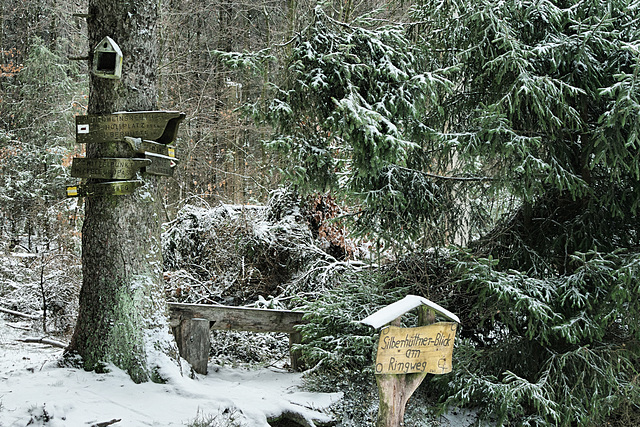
(391, 312)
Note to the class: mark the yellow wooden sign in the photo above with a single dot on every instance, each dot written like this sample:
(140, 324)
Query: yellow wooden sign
(410, 350)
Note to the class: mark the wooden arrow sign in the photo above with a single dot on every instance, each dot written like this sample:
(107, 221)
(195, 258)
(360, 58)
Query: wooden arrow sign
(160, 165)
(112, 188)
(107, 168)
(158, 126)
(142, 146)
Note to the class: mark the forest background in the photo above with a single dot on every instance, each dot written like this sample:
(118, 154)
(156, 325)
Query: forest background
(487, 155)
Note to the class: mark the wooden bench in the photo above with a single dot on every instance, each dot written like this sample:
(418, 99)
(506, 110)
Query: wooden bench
(191, 325)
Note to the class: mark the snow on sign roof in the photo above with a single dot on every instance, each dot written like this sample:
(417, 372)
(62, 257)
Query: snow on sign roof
(391, 312)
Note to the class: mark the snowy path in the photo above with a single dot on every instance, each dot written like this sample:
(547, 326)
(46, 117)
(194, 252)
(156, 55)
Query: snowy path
(33, 388)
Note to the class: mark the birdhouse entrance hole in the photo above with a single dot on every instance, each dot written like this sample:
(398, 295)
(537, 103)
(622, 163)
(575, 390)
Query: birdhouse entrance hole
(106, 61)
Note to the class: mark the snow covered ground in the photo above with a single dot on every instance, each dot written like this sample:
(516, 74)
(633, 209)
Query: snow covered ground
(35, 391)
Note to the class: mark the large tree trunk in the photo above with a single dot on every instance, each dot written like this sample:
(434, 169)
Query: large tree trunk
(122, 318)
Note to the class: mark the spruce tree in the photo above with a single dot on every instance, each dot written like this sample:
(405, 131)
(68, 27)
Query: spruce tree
(509, 128)
(122, 315)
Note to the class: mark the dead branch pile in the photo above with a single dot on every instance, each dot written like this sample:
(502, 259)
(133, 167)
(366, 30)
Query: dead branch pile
(240, 255)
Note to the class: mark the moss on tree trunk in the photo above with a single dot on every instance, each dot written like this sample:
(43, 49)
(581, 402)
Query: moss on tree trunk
(122, 317)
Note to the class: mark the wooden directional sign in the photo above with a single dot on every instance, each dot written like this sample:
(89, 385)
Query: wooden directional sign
(160, 165)
(142, 146)
(158, 126)
(112, 188)
(409, 350)
(107, 168)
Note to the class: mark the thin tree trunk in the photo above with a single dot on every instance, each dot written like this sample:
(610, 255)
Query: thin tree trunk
(122, 317)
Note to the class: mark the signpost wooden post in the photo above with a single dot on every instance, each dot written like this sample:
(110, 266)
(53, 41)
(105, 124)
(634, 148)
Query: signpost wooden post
(148, 133)
(406, 355)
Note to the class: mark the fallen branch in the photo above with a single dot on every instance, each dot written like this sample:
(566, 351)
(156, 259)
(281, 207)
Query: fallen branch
(22, 328)
(105, 423)
(44, 341)
(17, 313)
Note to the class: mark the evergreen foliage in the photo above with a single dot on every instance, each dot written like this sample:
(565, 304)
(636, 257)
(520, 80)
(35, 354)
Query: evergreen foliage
(545, 89)
(553, 351)
(542, 104)
(511, 123)
(348, 117)
(334, 341)
(41, 102)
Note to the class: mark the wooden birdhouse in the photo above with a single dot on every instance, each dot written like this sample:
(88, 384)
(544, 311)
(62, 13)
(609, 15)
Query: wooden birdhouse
(107, 59)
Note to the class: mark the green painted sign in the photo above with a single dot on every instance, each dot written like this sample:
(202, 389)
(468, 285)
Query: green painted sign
(158, 126)
(107, 168)
(142, 146)
(112, 188)
(160, 165)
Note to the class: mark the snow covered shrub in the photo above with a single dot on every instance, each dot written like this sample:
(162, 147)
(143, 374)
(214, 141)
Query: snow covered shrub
(249, 347)
(42, 284)
(202, 256)
(235, 254)
(338, 348)
(10, 275)
(231, 254)
(225, 418)
(60, 287)
(39, 416)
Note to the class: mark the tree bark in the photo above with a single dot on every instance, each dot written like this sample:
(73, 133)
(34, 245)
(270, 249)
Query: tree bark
(123, 316)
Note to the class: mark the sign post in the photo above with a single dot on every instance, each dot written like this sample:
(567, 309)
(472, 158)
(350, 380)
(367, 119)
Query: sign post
(107, 168)
(406, 355)
(148, 134)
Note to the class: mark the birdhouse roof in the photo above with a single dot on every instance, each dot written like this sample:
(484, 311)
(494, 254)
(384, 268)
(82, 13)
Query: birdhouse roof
(108, 44)
(391, 312)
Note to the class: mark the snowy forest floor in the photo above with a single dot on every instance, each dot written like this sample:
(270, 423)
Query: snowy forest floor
(35, 391)
(251, 256)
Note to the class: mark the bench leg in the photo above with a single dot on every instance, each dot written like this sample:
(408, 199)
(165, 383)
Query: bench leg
(194, 342)
(295, 338)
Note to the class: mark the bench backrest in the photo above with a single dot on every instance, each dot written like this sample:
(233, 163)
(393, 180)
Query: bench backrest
(238, 318)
